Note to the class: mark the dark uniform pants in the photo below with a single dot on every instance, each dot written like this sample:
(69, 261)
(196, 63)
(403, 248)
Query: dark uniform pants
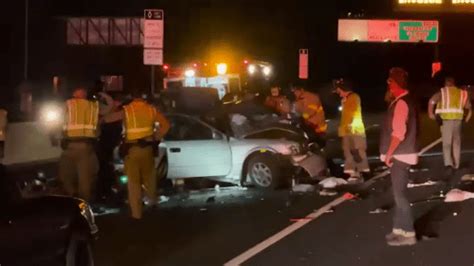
(78, 167)
(140, 170)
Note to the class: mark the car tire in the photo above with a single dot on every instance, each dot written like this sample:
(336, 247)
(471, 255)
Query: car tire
(264, 172)
(79, 251)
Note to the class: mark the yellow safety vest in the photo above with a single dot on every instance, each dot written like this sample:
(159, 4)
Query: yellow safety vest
(82, 118)
(451, 106)
(139, 120)
(351, 118)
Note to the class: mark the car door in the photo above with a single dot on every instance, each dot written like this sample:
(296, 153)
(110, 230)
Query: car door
(195, 149)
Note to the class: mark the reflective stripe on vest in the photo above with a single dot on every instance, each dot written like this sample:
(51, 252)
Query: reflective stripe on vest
(451, 106)
(139, 120)
(83, 117)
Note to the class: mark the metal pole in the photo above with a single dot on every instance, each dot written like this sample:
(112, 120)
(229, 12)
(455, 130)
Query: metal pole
(25, 73)
(152, 87)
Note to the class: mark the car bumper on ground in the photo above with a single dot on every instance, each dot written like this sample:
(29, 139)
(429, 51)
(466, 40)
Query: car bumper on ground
(314, 164)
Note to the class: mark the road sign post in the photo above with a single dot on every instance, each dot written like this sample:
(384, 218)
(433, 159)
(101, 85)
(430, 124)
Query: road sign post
(153, 35)
(303, 64)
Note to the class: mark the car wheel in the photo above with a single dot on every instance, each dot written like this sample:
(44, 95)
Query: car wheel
(264, 172)
(162, 169)
(79, 252)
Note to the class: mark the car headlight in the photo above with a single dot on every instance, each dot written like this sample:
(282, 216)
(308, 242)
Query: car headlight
(87, 213)
(51, 115)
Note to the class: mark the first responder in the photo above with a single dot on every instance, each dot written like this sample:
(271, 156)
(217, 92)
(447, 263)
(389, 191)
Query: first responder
(144, 127)
(352, 131)
(78, 165)
(278, 102)
(309, 106)
(451, 103)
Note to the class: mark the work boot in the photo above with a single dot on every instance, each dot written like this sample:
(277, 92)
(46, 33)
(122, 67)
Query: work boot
(394, 239)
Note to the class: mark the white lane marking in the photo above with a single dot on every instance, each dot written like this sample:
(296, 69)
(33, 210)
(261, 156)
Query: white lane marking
(312, 216)
(285, 232)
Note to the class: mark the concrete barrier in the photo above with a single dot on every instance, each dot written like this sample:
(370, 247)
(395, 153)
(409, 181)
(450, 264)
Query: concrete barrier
(28, 142)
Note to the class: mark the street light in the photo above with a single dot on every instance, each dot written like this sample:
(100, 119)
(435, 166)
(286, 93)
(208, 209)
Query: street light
(221, 69)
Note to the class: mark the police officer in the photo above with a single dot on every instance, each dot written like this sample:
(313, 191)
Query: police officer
(352, 131)
(78, 164)
(144, 127)
(451, 102)
(309, 106)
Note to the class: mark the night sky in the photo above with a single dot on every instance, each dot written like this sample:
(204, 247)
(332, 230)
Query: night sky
(267, 30)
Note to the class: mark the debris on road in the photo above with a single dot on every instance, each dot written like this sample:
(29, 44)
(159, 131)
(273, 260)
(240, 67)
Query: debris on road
(378, 211)
(326, 192)
(427, 183)
(457, 195)
(303, 188)
(416, 170)
(467, 178)
(332, 182)
(164, 199)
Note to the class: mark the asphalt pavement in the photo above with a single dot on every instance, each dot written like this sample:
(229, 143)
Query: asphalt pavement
(212, 227)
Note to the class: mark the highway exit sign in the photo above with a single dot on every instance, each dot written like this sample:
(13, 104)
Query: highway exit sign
(426, 31)
(364, 30)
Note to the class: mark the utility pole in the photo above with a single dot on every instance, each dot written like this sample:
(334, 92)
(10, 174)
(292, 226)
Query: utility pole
(25, 65)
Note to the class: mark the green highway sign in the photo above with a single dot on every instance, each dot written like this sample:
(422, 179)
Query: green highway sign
(415, 31)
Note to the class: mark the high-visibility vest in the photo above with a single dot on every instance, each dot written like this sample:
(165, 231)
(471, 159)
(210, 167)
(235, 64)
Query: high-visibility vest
(139, 120)
(451, 106)
(82, 118)
(351, 117)
(312, 111)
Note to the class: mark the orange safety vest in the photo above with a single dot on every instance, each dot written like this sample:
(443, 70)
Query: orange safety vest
(82, 118)
(312, 111)
(139, 120)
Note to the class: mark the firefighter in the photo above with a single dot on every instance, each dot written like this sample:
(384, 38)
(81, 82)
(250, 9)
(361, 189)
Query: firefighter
(309, 106)
(78, 164)
(451, 103)
(352, 131)
(278, 102)
(144, 127)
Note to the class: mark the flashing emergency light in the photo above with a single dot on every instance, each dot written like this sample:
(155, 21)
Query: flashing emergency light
(267, 71)
(251, 69)
(189, 73)
(166, 67)
(221, 69)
